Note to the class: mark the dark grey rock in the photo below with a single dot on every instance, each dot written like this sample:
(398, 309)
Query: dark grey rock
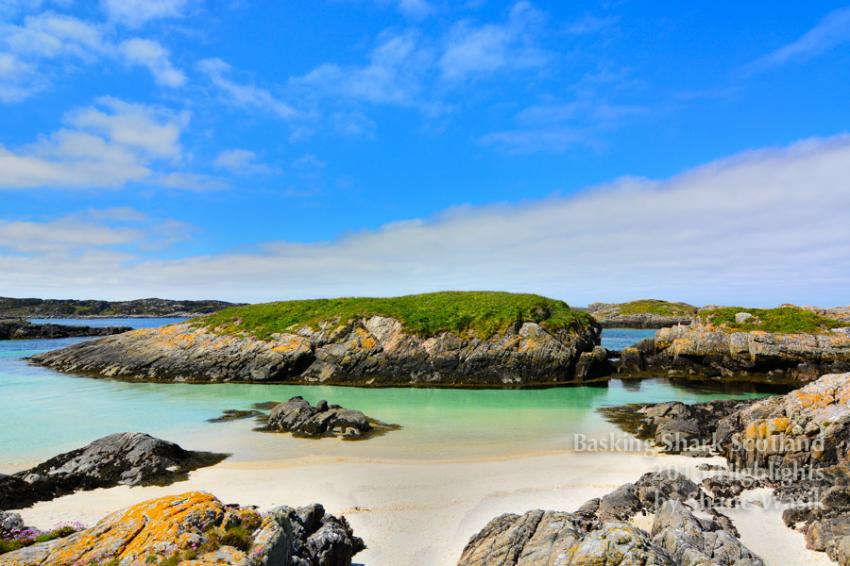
(117, 459)
(298, 417)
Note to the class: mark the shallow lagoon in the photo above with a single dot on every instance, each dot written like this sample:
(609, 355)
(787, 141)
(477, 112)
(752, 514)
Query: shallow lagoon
(43, 412)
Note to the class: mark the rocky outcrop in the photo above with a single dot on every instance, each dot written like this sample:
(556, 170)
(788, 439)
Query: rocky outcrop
(702, 350)
(300, 418)
(117, 459)
(370, 351)
(798, 444)
(196, 528)
(599, 532)
(23, 330)
(642, 314)
(674, 426)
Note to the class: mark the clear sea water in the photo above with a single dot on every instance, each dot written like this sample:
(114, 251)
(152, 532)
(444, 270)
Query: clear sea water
(43, 412)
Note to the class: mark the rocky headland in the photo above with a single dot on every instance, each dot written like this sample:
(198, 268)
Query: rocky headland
(23, 330)
(194, 529)
(117, 459)
(645, 313)
(72, 308)
(786, 345)
(438, 339)
(797, 444)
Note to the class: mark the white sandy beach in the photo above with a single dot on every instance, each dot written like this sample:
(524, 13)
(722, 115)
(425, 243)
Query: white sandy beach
(423, 512)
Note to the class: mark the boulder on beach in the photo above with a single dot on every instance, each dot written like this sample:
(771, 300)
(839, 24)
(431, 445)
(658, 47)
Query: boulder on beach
(130, 458)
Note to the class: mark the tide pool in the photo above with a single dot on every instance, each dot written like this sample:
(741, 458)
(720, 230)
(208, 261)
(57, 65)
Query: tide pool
(43, 412)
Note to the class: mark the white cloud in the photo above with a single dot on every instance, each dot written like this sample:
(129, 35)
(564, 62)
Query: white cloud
(243, 94)
(134, 13)
(832, 31)
(240, 161)
(106, 145)
(763, 227)
(155, 58)
(475, 51)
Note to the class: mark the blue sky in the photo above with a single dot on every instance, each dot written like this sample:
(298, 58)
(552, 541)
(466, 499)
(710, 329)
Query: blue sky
(262, 150)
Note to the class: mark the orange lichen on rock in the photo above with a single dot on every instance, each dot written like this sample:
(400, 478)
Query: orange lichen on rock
(158, 527)
(814, 399)
(290, 345)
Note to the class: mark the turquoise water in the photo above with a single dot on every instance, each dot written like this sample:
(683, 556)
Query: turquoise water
(619, 338)
(43, 412)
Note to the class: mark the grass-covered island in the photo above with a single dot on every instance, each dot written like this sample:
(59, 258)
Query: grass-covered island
(473, 338)
(781, 320)
(643, 313)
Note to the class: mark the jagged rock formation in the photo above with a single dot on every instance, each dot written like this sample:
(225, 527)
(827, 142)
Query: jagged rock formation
(23, 330)
(300, 418)
(647, 313)
(798, 443)
(70, 308)
(703, 350)
(117, 459)
(368, 351)
(598, 533)
(196, 528)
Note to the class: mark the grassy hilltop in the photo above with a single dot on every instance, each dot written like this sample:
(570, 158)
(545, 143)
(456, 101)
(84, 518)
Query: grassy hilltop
(477, 313)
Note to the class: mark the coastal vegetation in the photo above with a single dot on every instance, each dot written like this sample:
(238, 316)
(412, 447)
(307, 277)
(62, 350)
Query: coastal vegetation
(781, 320)
(467, 313)
(656, 307)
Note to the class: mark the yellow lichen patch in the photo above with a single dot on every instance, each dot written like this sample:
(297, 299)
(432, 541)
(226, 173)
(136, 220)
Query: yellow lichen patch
(529, 344)
(159, 527)
(367, 341)
(289, 346)
(814, 399)
(779, 424)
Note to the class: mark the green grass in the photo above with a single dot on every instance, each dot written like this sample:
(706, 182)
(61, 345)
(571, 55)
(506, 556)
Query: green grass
(478, 313)
(654, 306)
(782, 320)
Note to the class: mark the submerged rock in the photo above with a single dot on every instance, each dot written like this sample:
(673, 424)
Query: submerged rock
(23, 330)
(300, 418)
(117, 459)
(196, 528)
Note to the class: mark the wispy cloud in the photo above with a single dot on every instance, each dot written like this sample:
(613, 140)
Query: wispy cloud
(47, 44)
(244, 94)
(135, 13)
(393, 74)
(481, 50)
(833, 30)
(777, 233)
(155, 58)
(242, 162)
(558, 126)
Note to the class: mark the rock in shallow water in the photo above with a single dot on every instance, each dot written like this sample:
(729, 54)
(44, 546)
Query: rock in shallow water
(302, 419)
(118, 459)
